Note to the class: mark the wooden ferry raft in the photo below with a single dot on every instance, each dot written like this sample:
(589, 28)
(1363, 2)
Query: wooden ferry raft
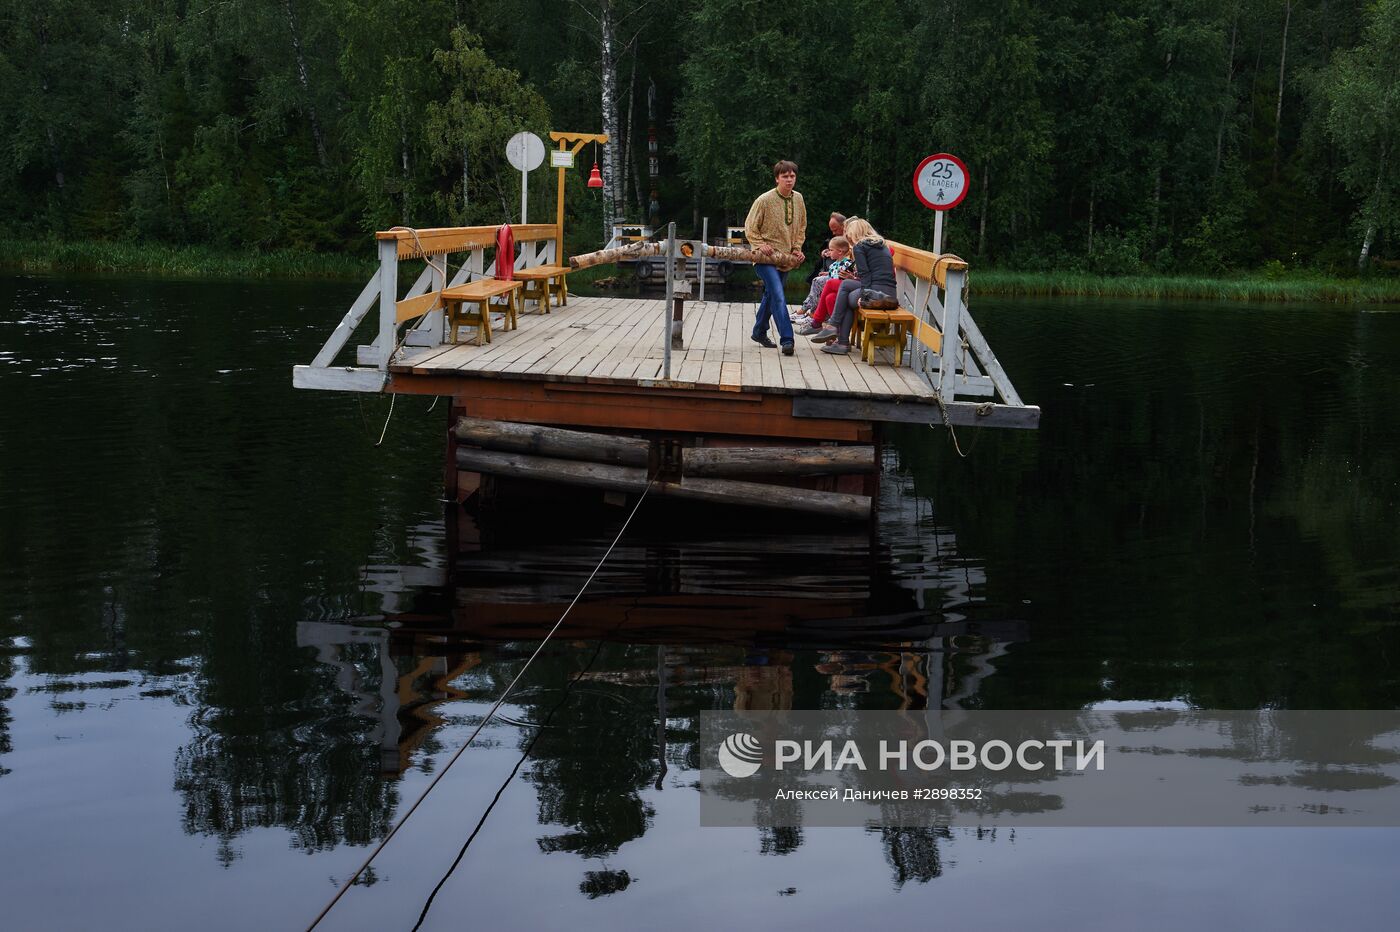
(625, 373)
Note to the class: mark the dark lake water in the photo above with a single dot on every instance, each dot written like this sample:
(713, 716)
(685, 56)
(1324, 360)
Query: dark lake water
(236, 643)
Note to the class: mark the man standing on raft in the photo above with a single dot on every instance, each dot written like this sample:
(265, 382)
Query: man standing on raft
(777, 226)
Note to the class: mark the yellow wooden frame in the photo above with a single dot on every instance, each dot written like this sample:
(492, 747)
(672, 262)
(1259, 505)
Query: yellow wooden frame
(571, 143)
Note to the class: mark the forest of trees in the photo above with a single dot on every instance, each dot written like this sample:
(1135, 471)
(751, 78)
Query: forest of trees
(1126, 136)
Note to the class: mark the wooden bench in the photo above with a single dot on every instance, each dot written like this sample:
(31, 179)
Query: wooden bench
(480, 293)
(542, 281)
(884, 328)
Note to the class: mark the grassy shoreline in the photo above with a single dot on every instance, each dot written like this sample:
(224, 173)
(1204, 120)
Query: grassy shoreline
(201, 262)
(1246, 287)
(166, 261)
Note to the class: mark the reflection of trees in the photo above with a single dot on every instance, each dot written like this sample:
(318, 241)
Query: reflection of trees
(590, 767)
(261, 758)
(913, 853)
(323, 788)
(1232, 500)
(6, 691)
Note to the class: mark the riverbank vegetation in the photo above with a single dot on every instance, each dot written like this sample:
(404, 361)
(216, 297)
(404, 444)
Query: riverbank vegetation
(1138, 138)
(207, 262)
(1317, 288)
(180, 261)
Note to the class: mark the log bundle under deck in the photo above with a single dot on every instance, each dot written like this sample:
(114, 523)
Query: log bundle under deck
(576, 397)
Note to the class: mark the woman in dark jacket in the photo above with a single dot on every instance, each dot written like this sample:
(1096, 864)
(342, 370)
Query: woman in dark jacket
(874, 287)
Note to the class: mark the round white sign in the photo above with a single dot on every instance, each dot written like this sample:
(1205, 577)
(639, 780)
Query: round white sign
(941, 181)
(525, 152)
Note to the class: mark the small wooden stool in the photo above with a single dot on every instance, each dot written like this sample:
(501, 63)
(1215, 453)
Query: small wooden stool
(884, 328)
(542, 281)
(479, 294)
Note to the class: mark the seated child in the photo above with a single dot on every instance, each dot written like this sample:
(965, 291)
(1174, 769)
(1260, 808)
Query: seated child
(825, 304)
(840, 252)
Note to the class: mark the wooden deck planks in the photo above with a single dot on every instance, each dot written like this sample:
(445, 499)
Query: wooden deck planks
(619, 362)
(554, 350)
(590, 340)
(620, 340)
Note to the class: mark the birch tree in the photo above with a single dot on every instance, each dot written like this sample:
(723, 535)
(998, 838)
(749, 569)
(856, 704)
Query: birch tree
(617, 25)
(1362, 89)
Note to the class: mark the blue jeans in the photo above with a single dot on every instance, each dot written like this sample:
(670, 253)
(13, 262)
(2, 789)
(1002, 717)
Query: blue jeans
(773, 304)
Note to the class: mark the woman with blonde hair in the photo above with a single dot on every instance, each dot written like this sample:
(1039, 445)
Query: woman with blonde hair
(873, 286)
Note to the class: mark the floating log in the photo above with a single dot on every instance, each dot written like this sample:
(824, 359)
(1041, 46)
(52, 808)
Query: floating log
(553, 441)
(835, 505)
(777, 461)
(601, 257)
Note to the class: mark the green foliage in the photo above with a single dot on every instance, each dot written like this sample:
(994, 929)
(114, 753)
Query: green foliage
(1362, 94)
(168, 261)
(467, 133)
(1137, 137)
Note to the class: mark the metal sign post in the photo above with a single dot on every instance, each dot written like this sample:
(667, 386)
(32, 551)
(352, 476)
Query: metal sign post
(941, 181)
(525, 152)
(704, 238)
(670, 292)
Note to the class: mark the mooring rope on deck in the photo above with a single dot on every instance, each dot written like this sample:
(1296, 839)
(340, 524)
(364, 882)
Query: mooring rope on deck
(482, 724)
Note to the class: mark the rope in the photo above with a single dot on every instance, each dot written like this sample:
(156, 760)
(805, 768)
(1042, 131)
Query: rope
(398, 345)
(982, 410)
(482, 724)
(392, 398)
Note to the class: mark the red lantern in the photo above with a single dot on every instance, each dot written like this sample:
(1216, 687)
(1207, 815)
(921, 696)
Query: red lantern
(595, 177)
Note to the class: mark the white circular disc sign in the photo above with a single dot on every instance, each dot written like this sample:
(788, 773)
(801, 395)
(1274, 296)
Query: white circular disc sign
(525, 152)
(941, 181)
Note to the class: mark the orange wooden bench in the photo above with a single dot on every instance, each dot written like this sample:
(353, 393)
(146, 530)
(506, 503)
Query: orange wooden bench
(542, 282)
(479, 293)
(884, 328)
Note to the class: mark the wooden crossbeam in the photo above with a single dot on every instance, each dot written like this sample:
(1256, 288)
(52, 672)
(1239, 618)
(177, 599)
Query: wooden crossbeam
(409, 308)
(930, 266)
(439, 240)
(928, 335)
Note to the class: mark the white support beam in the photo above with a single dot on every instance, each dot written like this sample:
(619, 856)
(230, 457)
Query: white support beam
(339, 379)
(388, 300)
(983, 351)
(348, 323)
(952, 342)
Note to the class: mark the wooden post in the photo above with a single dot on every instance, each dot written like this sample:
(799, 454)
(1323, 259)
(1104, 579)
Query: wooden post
(568, 142)
(559, 212)
(704, 238)
(670, 291)
(388, 299)
(435, 319)
(952, 339)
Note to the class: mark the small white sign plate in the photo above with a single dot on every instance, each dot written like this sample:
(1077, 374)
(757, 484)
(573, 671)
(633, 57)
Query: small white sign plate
(525, 152)
(561, 158)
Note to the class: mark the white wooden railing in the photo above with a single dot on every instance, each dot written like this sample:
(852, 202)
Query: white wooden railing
(934, 289)
(420, 307)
